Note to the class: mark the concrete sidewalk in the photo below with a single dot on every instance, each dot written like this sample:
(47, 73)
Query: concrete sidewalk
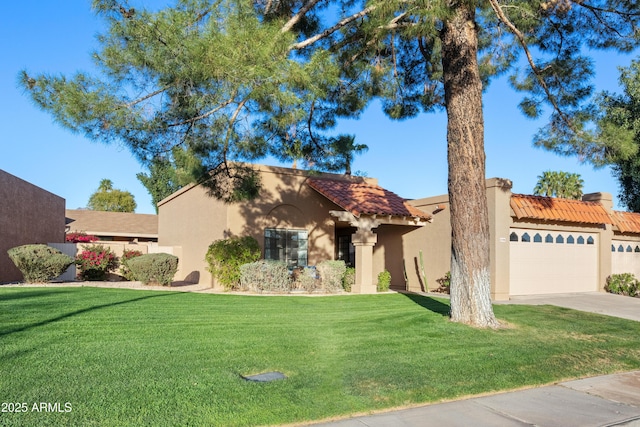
(611, 400)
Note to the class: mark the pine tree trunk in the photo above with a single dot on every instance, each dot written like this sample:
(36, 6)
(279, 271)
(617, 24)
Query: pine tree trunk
(470, 262)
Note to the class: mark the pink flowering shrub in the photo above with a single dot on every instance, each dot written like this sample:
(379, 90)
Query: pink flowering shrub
(125, 271)
(80, 237)
(95, 261)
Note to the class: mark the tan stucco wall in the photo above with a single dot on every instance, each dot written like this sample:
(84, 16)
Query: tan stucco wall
(286, 201)
(28, 214)
(434, 240)
(191, 220)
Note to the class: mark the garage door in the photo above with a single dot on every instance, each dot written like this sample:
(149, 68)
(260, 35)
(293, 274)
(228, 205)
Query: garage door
(547, 262)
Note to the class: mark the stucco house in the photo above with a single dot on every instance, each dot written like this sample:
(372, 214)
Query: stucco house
(538, 244)
(300, 217)
(28, 215)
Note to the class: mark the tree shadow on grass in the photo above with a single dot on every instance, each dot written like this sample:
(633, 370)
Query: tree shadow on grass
(28, 294)
(429, 303)
(82, 311)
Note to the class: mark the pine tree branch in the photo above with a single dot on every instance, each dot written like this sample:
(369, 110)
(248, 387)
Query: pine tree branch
(521, 39)
(144, 98)
(331, 30)
(298, 16)
(207, 114)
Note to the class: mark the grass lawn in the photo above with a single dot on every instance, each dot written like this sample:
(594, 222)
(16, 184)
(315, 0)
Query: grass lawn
(124, 357)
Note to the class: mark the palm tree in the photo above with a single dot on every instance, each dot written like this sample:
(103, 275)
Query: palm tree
(344, 149)
(559, 184)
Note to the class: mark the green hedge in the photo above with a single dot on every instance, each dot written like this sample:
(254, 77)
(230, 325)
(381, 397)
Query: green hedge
(154, 268)
(39, 263)
(227, 255)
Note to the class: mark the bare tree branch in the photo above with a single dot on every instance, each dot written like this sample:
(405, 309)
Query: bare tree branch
(144, 98)
(298, 16)
(207, 114)
(329, 31)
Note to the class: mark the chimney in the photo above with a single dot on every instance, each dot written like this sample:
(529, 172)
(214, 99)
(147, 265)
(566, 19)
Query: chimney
(605, 199)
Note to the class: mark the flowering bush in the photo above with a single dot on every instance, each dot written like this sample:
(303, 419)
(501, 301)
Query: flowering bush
(95, 261)
(125, 271)
(80, 237)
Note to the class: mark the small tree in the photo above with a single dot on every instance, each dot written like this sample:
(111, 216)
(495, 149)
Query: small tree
(559, 184)
(108, 199)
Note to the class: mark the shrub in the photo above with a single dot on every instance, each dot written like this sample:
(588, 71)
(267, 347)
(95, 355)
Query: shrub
(154, 268)
(270, 276)
(95, 261)
(349, 279)
(80, 237)
(39, 263)
(227, 255)
(306, 278)
(331, 274)
(384, 281)
(445, 283)
(127, 255)
(622, 284)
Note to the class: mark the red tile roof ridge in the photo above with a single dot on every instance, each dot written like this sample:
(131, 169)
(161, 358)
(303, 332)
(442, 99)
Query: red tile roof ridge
(360, 197)
(559, 209)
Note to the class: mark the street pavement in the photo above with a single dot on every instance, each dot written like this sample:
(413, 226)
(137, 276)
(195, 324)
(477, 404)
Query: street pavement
(609, 400)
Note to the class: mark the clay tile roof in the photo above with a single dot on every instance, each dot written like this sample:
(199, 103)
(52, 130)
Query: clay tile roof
(556, 209)
(361, 198)
(627, 222)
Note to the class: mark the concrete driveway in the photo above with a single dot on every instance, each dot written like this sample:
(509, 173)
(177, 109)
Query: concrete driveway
(594, 302)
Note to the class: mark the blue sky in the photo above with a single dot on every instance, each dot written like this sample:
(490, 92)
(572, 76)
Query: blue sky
(407, 157)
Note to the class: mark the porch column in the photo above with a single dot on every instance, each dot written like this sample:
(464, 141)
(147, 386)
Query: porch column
(364, 240)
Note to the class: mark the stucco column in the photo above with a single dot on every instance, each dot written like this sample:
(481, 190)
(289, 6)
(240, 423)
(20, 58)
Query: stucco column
(499, 204)
(605, 239)
(364, 240)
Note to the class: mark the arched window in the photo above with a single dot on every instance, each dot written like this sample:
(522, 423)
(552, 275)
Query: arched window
(580, 240)
(637, 249)
(620, 248)
(559, 239)
(613, 248)
(570, 240)
(629, 248)
(525, 238)
(548, 238)
(537, 238)
(513, 237)
(590, 241)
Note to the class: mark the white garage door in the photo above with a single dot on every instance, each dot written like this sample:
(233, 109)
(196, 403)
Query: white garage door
(548, 262)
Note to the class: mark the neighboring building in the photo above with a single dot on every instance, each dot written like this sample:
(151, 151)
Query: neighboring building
(113, 226)
(28, 215)
(300, 217)
(543, 245)
(538, 244)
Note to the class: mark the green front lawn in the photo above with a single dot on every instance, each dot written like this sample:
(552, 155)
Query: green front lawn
(123, 357)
